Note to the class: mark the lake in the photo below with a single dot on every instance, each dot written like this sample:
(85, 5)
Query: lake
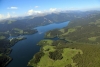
(24, 50)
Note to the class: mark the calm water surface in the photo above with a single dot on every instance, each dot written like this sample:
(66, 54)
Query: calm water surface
(24, 50)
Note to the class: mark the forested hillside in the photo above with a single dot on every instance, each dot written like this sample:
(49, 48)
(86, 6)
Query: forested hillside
(84, 28)
(19, 25)
(78, 45)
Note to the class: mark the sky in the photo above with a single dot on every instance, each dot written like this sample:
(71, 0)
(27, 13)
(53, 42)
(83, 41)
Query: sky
(15, 8)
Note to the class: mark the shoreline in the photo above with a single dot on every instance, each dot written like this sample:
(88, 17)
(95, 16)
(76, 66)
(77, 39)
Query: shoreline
(17, 39)
(34, 33)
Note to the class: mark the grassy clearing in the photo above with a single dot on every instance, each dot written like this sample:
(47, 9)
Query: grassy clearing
(45, 42)
(69, 30)
(19, 30)
(96, 23)
(91, 23)
(48, 48)
(46, 61)
(62, 30)
(92, 38)
(11, 21)
(2, 37)
(1, 54)
(48, 35)
(67, 58)
(78, 26)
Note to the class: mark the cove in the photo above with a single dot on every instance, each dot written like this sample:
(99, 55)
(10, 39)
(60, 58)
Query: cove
(24, 50)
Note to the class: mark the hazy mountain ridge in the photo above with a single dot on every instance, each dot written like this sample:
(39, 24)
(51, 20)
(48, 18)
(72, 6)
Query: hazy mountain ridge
(29, 22)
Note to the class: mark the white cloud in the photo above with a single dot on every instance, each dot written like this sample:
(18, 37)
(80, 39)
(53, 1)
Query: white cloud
(53, 9)
(8, 15)
(5, 16)
(36, 6)
(30, 12)
(1, 16)
(12, 8)
(42, 13)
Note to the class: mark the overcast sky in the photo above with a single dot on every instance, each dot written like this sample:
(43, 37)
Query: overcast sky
(14, 8)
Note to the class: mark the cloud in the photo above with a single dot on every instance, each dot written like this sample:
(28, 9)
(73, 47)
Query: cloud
(53, 9)
(36, 6)
(12, 8)
(8, 15)
(42, 13)
(30, 12)
(5, 16)
(1, 16)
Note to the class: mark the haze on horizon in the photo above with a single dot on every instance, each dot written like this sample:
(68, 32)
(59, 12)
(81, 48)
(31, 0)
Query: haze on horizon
(16, 8)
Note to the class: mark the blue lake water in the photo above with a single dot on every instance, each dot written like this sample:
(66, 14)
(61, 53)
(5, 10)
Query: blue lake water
(24, 50)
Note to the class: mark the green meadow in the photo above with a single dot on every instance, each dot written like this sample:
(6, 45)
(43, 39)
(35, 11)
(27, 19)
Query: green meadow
(46, 61)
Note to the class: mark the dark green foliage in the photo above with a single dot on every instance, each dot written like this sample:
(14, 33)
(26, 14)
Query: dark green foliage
(47, 49)
(56, 55)
(6, 35)
(15, 33)
(69, 65)
(4, 43)
(14, 41)
(53, 33)
(4, 60)
(25, 32)
(59, 42)
(90, 56)
(4, 46)
(37, 57)
(65, 29)
(83, 33)
(42, 43)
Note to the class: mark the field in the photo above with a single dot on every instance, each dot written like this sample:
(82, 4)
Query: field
(46, 61)
(18, 30)
(2, 37)
(92, 38)
(45, 42)
(82, 48)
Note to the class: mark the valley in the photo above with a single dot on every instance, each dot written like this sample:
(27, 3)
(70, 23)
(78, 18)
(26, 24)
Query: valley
(82, 30)
(81, 50)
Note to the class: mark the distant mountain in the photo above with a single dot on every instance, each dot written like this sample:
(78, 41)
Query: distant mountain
(29, 22)
(84, 23)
